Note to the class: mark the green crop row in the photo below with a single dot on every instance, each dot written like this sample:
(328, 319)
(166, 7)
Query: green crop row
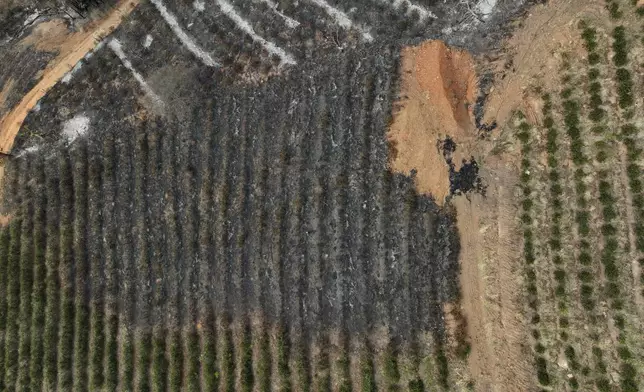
(323, 376)
(367, 372)
(524, 137)
(623, 76)
(628, 132)
(175, 366)
(66, 326)
(5, 238)
(246, 365)
(555, 233)
(26, 285)
(38, 294)
(264, 362)
(13, 305)
(158, 373)
(209, 371)
(582, 216)
(97, 311)
(81, 268)
(613, 8)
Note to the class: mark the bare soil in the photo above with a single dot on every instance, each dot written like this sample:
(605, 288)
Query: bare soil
(438, 89)
(534, 53)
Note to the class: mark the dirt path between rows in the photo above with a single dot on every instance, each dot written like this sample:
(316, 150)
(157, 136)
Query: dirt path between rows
(72, 48)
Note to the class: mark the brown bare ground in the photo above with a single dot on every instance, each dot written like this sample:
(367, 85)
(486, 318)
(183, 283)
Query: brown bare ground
(438, 88)
(438, 85)
(72, 48)
(49, 36)
(533, 53)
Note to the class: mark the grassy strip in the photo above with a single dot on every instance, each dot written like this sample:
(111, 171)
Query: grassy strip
(247, 377)
(38, 295)
(26, 284)
(391, 371)
(193, 354)
(143, 359)
(322, 376)
(111, 354)
(283, 369)
(301, 367)
(13, 305)
(82, 322)
(209, 371)
(175, 374)
(264, 362)
(127, 359)
(524, 136)
(5, 239)
(367, 372)
(160, 363)
(442, 367)
(52, 308)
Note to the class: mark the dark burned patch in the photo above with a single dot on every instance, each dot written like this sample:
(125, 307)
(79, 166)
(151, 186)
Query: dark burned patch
(485, 83)
(285, 192)
(466, 179)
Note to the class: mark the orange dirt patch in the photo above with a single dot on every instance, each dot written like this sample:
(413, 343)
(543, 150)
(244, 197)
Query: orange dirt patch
(48, 36)
(72, 48)
(438, 90)
(4, 220)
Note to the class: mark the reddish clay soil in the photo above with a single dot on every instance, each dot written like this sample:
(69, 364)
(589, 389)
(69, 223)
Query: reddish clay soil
(437, 93)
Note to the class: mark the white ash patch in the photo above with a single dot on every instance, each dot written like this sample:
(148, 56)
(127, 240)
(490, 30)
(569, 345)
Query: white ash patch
(485, 7)
(28, 150)
(75, 127)
(147, 41)
(199, 5)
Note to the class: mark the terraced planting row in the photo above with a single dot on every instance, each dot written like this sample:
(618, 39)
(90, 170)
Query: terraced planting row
(258, 246)
(580, 238)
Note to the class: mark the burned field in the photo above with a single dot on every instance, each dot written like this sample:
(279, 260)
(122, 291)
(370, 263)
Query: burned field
(258, 240)
(322, 195)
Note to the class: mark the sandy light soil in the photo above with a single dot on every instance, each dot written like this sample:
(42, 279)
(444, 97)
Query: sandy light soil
(72, 48)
